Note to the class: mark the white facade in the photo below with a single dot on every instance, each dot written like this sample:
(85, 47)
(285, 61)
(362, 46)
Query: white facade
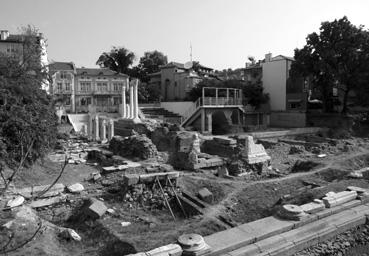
(274, 78)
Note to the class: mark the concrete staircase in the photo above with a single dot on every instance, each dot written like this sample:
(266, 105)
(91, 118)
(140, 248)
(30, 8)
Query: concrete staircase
(161, 113)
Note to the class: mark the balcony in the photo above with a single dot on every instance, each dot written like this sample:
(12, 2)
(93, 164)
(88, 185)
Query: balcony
(106, 109)
(221, 101)
(63, 91)
(94, 92)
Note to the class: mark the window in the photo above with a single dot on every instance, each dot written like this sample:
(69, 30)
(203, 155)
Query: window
(102, 86)
(59, 87)
(306, 85)
(67, 101)
(12, 48)
(63, 75)
(102, 101)
(67, 86)
(85, 101)
(116, 101)
(295, 105)
(335, 92)
(85, 86)
(117, 87)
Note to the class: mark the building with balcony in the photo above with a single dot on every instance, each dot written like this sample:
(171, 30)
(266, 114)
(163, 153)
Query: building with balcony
(76, 88)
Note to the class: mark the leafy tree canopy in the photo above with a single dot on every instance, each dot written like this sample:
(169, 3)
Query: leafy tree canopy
(150, 63)
(337, 56)
(119, 59)
(27, 119)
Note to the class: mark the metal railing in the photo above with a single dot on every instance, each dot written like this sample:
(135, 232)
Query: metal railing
(210, 101)
(221, 101)
(191, 110)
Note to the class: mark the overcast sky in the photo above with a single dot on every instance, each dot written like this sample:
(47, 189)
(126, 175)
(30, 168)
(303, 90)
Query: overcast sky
(223, 33)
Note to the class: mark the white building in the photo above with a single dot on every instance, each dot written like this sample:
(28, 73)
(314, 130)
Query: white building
(275, 72)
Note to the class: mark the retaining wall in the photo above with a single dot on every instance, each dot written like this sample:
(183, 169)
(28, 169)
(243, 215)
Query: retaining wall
(287, 119)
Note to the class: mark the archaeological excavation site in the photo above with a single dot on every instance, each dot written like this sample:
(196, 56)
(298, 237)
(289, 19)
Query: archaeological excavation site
(129, 187)
(196, 140)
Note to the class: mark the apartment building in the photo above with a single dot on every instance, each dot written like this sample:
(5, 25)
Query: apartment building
(76, 88)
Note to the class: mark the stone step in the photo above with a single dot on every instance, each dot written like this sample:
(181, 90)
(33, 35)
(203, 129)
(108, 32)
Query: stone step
(245, 236)
(290, 241)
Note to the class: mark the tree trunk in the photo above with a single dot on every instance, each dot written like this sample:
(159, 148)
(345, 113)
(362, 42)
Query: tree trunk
(345, 97)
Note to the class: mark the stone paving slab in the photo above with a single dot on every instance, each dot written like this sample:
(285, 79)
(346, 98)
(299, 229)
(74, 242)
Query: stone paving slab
(249, 250)
(275, 226)
(362, 208)
(329, 211)
(47, 201)
(291, 241)
(275, 241)
(228, 240)
(29, 192)
(306, 220)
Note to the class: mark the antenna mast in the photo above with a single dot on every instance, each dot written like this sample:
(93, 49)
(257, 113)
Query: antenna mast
(190, 51)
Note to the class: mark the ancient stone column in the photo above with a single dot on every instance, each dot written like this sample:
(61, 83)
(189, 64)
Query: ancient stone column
(103, 126)
(124, 109)
(135, 100)
(90, 126)
(131, 101)
(111, 133)
(97, 132)
(128, 109)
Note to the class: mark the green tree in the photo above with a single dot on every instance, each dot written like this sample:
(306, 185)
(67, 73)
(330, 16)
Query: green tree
(27, 115)
(150, 63)
(119, 59)
(337, 56)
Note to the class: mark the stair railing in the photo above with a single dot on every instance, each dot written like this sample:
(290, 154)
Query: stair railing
(191, 110)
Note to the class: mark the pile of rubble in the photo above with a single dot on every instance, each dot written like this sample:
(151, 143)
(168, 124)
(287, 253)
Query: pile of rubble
(341, 244)
(150, 196)
(151, 190)
(133, 146)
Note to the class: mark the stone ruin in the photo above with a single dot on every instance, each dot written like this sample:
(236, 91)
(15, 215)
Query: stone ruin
(186, 153)
(254, 153)
(243, 154)
(133, 146)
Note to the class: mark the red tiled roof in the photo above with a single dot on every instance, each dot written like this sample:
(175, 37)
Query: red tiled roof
(61, 66)
(173, 64)
(98, 71)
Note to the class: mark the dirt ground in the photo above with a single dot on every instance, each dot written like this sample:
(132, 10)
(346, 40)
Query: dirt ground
(240, 199)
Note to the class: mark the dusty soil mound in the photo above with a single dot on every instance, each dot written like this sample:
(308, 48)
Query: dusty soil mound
(304, 166)
(355, 163)
(332, 174)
